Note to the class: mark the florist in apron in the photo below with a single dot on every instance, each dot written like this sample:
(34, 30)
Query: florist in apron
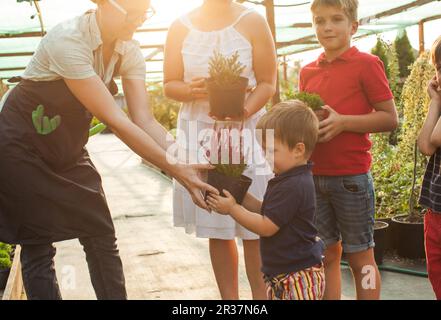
(50, 190)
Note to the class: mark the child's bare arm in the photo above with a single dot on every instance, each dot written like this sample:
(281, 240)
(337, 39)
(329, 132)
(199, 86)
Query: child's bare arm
(384, 119)
(430, 136)
(253, 221)
(252, 204)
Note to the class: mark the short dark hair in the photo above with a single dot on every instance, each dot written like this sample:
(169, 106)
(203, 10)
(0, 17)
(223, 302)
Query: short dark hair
(436, 52)
(293, 122)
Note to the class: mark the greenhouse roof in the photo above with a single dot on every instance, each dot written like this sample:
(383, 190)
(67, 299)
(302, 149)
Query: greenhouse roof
(20, 26)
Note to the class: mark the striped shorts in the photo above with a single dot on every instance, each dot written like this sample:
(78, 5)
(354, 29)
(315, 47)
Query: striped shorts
(308, 284)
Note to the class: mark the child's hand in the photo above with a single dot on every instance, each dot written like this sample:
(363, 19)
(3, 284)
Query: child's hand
(330, 127)
(222, 205)
(433, 89)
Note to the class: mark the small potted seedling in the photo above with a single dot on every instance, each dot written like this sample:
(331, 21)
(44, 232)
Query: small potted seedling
(226, 87)
(5, 264)
(229, 161)
(315, 102)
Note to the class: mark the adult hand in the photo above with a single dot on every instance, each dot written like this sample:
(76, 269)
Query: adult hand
(331, 126)
(198, 89)
(190, 177)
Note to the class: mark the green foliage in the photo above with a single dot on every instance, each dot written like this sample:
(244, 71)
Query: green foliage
(405, 52)
(231, 170)
(225, 71)
(5, 263)
(312, 100)
(165, 110)
(5, 259)
(394, 72)
(5, 247)
(381, 51)
(393, 166)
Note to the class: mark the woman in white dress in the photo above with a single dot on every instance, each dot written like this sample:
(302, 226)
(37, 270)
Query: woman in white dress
(227, 27)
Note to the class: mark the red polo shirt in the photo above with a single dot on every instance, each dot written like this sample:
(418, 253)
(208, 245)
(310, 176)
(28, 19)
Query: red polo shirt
(351, 85)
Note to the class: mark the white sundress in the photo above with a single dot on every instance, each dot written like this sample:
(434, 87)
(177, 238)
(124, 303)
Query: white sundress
(197, 49)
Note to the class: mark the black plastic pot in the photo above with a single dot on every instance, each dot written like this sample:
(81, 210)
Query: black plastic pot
(380, 238)
(4, 275)
(227, 101)
(238, 187)
(408, 238)
(389, 243)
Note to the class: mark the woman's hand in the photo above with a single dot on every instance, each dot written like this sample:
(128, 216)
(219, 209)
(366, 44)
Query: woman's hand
(198, 89)
(190, 177)
(222, 205)
(332, 126)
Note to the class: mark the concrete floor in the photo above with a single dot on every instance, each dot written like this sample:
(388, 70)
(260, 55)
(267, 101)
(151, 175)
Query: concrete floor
(160, 261)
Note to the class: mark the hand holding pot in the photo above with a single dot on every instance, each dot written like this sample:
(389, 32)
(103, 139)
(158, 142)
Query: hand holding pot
(222, 205)
(190, 177)
(198, 89)
(332, 126)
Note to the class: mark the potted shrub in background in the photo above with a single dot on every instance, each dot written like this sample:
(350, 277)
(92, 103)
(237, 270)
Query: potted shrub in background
(409, 228)
(5, 264)
(383, 170)
(226, 87)
(229, 160)
(315, 102)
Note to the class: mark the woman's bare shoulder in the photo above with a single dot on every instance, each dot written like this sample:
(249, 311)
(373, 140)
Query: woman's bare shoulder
(253, 25)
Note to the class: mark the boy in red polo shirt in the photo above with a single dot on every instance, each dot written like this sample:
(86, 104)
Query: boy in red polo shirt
(359, 101)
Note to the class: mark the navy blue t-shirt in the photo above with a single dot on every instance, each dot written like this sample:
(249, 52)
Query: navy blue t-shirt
(289, 202)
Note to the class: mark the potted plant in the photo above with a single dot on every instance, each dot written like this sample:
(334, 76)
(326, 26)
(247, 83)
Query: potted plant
(229, 161)
(315, 102)
(226, 87)
(5, 264)
(409, 229)
(381, 239)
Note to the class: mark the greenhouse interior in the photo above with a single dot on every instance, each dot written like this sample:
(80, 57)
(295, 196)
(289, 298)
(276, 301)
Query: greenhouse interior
(141, 194)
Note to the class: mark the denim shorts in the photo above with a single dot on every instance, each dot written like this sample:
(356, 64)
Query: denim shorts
(346, 211)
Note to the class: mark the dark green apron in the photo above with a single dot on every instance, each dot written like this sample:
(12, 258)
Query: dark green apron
(49, 188)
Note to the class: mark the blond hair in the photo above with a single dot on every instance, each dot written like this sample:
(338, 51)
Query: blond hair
(436, 52)
(293, 122)
(349, 7)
